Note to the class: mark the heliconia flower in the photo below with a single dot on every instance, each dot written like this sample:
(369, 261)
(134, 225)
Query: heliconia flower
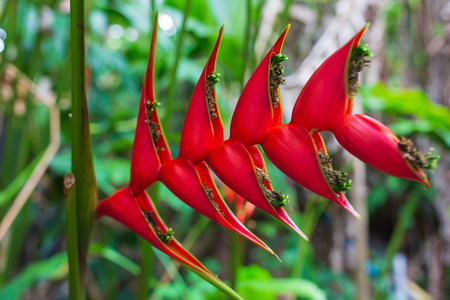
(241, 169)
(202, 136)
(140, 215)
(150, 147)
(259, 106)
(202, 128)
(328, 94)
(303, 157)
(376, 145)
(194, 185)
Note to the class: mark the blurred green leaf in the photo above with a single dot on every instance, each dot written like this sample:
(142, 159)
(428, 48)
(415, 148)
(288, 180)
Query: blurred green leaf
(428, 118)
(406, 102)
(111, 172)
(377, 197)
(54, 267)
(114, 256)
(257, 283)
(13, 188)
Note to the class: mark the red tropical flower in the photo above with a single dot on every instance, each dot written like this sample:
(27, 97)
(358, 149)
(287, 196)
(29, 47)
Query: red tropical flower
(151, 160)
(376, 145)
(326, 102)
(300, 154)
(303, 157)
(150, 147)
(328, 94)
(243, 170)
(202, 128)
(259, 106)
(140, 215)
(240, 168)
(194, 185)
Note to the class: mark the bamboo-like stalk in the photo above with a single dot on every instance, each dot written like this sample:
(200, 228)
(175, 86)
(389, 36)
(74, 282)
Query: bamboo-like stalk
(76, 291)
(83, 207)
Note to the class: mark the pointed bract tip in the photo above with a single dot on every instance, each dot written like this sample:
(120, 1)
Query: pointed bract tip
(283, 34)
(268, 249)
(347, 205)
(284, 217)
(358, 36)
(278, 258)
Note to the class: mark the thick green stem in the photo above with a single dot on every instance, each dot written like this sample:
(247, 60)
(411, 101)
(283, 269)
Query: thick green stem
(173, 75)
(82, 159)
(76, 291)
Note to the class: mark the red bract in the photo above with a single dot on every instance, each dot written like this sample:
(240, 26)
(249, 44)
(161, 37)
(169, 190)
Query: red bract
(297, 154)
(256, 111)
(325, 98)
(202, 136)
(234, 165)
(150, 148)
(195, 186)
(376, 145)
(140, 215)
(291, 148)
(202, 127)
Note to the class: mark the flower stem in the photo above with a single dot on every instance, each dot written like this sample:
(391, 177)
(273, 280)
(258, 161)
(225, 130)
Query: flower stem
(76, 290)
(237, 253)
(82, 206)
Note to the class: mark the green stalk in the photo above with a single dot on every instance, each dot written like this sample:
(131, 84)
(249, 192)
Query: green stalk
(147, 258)
(401, 227)
(237, 254)
(82, 159)
(173, 76)
(313, 211)
(76, 291)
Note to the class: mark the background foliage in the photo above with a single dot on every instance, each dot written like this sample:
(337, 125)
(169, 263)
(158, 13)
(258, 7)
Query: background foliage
(406, 87)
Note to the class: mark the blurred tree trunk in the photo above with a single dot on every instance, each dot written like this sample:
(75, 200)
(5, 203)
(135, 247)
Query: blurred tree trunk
(436, 13)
